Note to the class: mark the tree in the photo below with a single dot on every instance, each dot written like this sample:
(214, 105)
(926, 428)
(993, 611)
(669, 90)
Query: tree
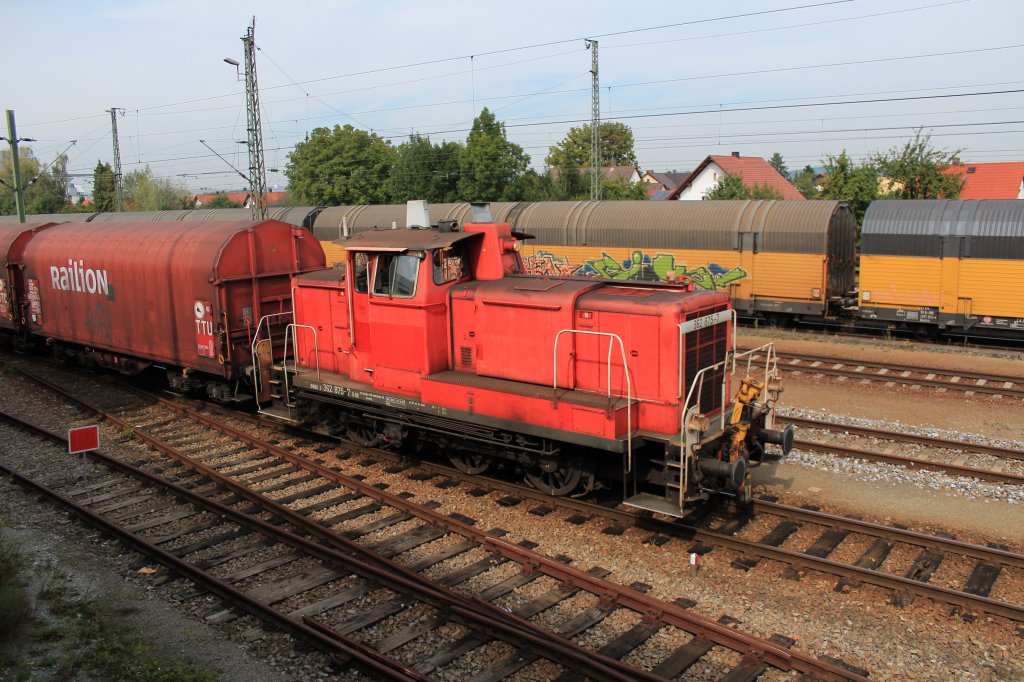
(534, 186)
(343, 165)
(45, 187)
(47, 191)
(732, 187)
(103, 187)
(574, 149)
(845, 181)
(426, 171)
(615, 190)
(917, 171)
(489, 165)
(805, 183)
(778, 164)
(221, 200)
(144, 192)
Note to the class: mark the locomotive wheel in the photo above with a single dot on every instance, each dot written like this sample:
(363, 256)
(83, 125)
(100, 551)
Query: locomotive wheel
(469, 462)
(362, 433)
(555, 477)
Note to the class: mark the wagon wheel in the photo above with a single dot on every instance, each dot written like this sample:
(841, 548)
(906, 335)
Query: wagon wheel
(469, 462)
(555, 477)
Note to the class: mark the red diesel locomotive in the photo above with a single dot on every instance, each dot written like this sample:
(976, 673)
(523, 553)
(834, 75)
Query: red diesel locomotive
(432, 337)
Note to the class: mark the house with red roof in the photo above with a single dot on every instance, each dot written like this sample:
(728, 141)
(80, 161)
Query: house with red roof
(1003, 180)
(754, 170)
(241, 198)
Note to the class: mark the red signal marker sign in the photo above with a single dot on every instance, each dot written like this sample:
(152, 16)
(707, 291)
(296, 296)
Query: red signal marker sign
(83, 439)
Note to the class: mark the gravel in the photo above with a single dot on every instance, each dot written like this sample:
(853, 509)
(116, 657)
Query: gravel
(919, 478)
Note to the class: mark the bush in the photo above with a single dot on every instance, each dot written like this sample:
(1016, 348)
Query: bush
(14, 603)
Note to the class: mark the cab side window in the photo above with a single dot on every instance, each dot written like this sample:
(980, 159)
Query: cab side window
(361, 263)
(396, 275)
(450, 264)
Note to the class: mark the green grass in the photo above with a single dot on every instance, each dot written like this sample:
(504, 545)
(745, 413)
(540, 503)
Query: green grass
(95, 639)
(72, 633)
(14, 602)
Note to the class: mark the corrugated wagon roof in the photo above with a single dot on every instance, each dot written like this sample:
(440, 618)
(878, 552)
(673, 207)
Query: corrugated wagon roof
(927, 227)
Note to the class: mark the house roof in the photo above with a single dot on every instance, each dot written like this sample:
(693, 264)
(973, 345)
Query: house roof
(619, 173)
(990, 180)
(237, 197)
(669, 181)
(753, 169)
(610, 173)
(276, 198)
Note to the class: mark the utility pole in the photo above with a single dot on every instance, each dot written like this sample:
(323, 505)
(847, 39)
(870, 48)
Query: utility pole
(595, 125)
(257, 172)
(19, 190)
(118, 191)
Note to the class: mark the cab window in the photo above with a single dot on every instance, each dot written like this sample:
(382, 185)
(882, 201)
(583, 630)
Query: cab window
(449, 264)
(360, 262)
(396, 274)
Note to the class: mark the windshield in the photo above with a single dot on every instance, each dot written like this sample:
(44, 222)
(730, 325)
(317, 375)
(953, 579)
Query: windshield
(396, 275)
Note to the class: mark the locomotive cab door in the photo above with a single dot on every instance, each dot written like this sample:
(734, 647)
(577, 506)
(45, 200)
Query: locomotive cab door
(361, 358)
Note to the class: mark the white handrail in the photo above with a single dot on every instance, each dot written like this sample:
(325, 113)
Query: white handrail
(252, 349)
(629, 382)
(295, 342)
(770, 369)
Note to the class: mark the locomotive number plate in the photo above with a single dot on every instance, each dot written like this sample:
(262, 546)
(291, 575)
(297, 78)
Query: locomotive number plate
(706, 321)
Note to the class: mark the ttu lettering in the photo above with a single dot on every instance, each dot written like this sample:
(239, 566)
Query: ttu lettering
(77, 277)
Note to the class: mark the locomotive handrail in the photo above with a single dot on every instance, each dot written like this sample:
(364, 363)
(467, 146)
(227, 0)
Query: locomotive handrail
(771, 359)
(770, 368)
(284, 358)
(683, 446)
(629, 382)
(730, 355)
(252, 351)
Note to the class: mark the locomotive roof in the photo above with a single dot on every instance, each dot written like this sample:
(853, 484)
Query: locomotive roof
(400, 241)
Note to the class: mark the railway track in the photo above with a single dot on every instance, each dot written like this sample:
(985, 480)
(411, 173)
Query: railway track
(957, 458)
(904, 576)
(316, 552)
(904, 375)
(830, 532)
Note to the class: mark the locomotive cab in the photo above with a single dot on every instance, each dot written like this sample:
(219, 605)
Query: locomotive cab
(431, 338)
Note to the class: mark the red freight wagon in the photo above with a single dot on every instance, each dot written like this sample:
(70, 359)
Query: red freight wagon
(187, 295)
(13, 238)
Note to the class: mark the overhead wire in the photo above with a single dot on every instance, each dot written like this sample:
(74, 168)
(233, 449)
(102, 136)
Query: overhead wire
(693, 22)
(298, 84)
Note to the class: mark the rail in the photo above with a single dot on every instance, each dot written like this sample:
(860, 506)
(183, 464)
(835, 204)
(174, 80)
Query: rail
(625, 368)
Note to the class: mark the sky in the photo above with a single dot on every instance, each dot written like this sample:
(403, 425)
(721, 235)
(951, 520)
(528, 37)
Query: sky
(804, 78)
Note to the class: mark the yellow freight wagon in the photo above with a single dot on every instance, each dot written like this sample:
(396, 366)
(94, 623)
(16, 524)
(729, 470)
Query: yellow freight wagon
(944, 265)
(785, 257)
(791, 257)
